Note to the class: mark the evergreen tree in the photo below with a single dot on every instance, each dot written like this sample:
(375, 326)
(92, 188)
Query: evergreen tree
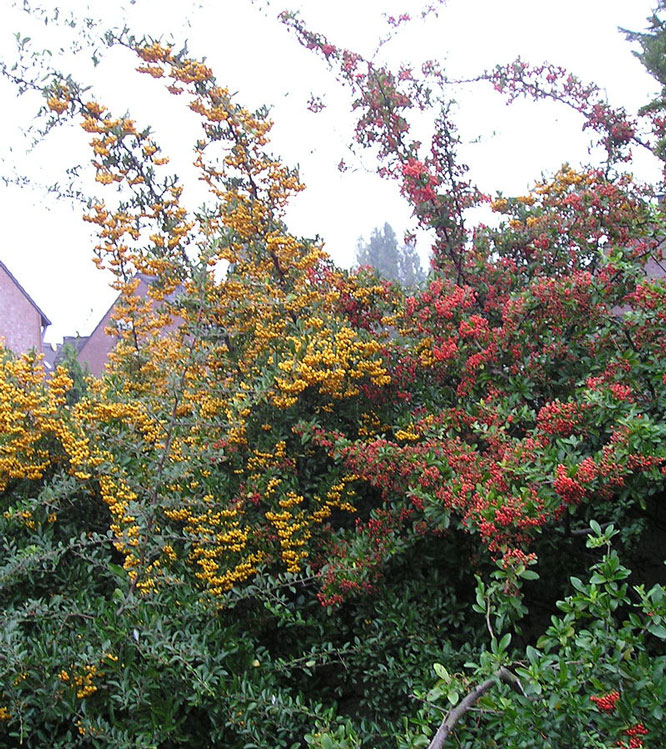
(653, 56)
(411, 272)
(388, 259)
(653, 50)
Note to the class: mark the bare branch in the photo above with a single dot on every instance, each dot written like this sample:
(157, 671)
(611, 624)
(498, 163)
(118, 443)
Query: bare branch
(454, 715)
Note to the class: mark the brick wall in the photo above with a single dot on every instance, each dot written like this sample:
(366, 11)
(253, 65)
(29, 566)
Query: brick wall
(20, 320)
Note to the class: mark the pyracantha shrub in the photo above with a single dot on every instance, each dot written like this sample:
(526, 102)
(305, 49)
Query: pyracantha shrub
(296, 487)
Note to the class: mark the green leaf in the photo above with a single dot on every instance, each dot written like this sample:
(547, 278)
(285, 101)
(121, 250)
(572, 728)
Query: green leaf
(658, 630)
(533, 655)
(578, 584)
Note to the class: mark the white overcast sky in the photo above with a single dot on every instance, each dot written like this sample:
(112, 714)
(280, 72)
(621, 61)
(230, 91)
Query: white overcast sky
(47, 246)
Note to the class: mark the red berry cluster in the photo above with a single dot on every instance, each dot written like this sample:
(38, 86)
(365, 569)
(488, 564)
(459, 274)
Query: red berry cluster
(560, 418)
(634, 733)
(606, 702)
(569, 489)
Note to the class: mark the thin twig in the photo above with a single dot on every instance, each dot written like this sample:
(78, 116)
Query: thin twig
(587, 531)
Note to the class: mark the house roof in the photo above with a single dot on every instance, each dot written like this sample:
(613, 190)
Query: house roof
(45, 320)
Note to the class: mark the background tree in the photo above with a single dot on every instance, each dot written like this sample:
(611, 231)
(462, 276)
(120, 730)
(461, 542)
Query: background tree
(653, 47)
(653, 56)
(391, 261)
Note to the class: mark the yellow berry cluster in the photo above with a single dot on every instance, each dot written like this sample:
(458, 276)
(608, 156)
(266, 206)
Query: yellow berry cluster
(81, 679)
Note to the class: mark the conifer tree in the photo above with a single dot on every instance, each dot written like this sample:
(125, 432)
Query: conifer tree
(388, 259)
(652, 55)
(653, 45)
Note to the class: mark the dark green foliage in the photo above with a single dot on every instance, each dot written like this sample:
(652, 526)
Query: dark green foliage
(67, 357)
(608, 639)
